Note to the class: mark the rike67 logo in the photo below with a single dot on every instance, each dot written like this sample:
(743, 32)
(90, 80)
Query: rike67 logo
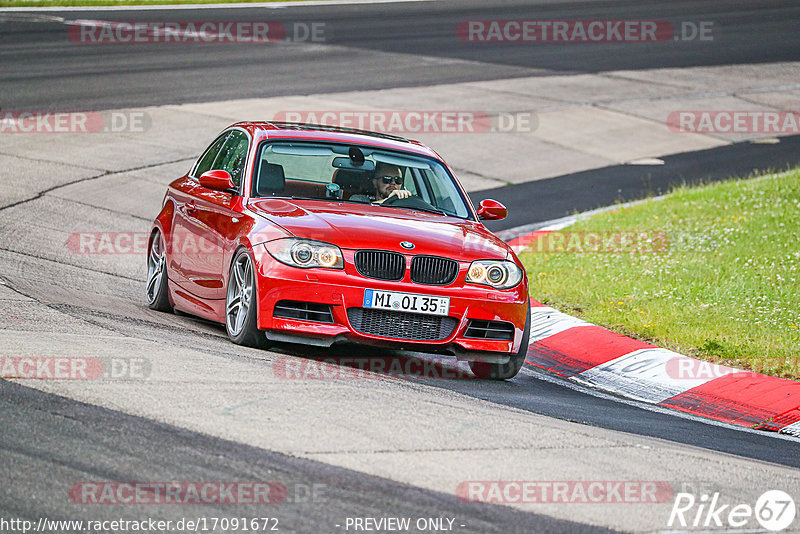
(774, 511)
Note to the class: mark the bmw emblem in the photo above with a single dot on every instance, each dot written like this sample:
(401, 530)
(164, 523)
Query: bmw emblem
(407, 244)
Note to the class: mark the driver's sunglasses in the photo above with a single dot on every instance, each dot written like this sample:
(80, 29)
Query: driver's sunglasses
(389, 179)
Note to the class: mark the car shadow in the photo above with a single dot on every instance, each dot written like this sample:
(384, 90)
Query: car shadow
(351, 361)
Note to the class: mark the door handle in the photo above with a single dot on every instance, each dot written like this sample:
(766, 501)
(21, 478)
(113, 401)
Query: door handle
(190, 207)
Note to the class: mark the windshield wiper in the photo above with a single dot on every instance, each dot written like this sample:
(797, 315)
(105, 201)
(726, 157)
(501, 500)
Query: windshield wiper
(437, 211)
(290, 197)
(432, 209)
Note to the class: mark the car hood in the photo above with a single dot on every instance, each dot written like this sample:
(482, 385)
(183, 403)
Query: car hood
(356, 226)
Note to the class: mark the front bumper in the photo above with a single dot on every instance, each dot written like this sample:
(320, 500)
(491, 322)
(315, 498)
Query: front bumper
(344, 289)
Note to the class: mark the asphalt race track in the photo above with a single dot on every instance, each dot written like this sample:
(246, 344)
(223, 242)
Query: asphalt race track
(586, 190)
(366, 47)
(87, 434)
(208, 410)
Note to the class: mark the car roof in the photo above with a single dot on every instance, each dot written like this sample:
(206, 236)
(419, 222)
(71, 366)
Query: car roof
(317, 132)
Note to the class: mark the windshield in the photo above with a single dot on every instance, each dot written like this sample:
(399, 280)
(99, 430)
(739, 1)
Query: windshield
(356, 173)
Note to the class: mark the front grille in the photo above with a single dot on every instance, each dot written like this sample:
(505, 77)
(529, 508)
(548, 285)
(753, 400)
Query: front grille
(490, 330)
(401, 325)
(307, 311)
(381, 264)
(433, 270)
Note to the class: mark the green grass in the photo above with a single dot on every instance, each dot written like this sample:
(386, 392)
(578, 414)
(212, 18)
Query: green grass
(725, 288)
(67, 3)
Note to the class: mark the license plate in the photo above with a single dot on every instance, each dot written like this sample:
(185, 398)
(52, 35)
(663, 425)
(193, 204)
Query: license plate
(407, 302)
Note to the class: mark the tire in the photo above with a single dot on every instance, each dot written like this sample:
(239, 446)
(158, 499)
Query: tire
(504, 371)
(157, 288)
(241, 303)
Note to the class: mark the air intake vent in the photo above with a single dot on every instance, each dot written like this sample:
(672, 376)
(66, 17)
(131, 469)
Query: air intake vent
(381, 264)
(433, 270)
(496, 330)
(306, 311)
(401, 325)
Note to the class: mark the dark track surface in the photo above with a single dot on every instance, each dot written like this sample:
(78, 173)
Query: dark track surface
(43, 69)
(529, 393)
(555, 398)
(583, 191)
(53, 442)
(48, 442)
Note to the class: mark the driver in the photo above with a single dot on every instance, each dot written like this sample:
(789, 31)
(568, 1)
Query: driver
(388, 182)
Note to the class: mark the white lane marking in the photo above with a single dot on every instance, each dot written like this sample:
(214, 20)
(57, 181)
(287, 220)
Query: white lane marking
(29, 17)
(646, 161)
(167, 7)
(157, 30)
(546, 376)
(792, 430)
(546, 322)
(651, 375)
(564, 222)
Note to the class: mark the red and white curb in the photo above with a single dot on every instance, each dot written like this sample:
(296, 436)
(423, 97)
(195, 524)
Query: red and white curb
(593, 356)
(596, 357)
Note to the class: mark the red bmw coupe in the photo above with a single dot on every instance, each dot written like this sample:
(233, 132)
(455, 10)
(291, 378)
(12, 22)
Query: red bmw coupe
(310, 234)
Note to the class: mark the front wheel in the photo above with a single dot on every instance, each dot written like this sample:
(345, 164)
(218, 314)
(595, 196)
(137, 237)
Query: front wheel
(503, 371)
(157, 290)
(241, 303)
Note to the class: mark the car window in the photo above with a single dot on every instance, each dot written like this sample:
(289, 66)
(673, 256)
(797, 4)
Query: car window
(444, 193)
(233, 155)
(207, 159)
(306, 169)
(305, 166)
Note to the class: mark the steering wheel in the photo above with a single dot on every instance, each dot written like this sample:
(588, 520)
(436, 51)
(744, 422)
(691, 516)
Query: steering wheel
(391, 200)
(414, 201)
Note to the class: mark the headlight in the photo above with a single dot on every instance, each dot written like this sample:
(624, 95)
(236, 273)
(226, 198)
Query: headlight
(499, 274)
(305, 253)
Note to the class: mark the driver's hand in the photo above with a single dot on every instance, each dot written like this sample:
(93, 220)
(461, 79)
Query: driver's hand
(400, 193)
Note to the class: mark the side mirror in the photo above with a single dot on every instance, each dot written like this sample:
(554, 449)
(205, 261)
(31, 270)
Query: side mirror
(491, 210)
(217, 180)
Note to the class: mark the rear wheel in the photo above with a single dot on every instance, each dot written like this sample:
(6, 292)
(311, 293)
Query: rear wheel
(503, 371)
(157, 290)
(241, 303)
